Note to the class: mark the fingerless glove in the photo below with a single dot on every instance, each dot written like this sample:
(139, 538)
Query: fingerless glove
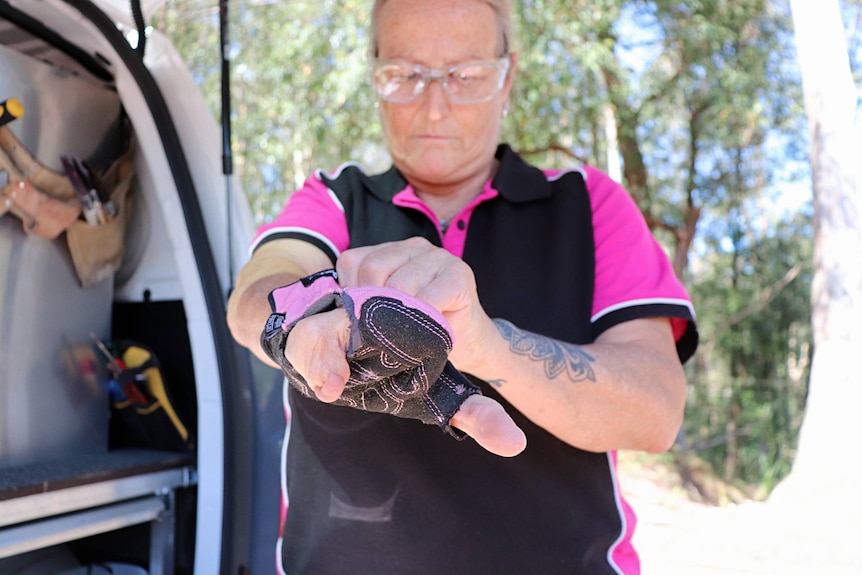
(398, 350)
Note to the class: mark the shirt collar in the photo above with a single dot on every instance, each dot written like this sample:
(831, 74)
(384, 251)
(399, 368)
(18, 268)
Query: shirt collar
(518, 181)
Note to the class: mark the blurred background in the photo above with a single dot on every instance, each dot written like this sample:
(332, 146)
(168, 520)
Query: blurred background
(697, 107)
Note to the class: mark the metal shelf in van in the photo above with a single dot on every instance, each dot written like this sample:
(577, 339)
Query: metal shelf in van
(46, 504)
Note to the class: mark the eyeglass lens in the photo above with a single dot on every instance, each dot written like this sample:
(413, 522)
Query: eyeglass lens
(468, 83)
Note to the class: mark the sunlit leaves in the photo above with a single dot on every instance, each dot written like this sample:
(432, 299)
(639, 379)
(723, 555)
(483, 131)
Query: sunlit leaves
(300, 96)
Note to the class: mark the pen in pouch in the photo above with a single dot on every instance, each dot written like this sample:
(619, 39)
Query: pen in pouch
(88, 205)
(96, 195)
(96, 183)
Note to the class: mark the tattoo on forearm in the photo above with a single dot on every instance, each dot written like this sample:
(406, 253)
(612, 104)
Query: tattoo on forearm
(557, 357)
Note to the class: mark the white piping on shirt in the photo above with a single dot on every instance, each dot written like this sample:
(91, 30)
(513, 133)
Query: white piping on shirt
(285, 497)
(565, 171)
(645, 301)
(335, 200)
(621, 511)
(285, 229)
(334, 175)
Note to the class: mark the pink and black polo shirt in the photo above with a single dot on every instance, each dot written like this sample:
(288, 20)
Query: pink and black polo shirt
(565, 254)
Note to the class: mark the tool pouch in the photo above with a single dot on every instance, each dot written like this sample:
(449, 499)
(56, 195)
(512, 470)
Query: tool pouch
(143, 415)
(45, 202)
(97, 250)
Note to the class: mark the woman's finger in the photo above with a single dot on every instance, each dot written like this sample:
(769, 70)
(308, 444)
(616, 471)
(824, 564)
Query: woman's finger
(413, 266)
(374, 265)
(316, 349)
(490, 426)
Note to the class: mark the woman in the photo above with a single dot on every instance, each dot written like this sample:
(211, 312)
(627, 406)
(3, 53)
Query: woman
(563, 307)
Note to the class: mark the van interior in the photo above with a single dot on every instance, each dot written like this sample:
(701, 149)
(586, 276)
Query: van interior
(135, 435)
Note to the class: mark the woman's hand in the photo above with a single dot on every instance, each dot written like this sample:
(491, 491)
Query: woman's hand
(315, 348)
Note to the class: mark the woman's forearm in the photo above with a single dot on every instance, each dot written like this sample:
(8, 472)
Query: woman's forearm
(626, 391)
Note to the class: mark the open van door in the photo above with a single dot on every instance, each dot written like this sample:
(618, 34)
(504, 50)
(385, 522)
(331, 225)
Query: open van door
(151, 273)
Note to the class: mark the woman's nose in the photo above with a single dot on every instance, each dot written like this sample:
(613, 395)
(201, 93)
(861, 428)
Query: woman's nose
(436, 99)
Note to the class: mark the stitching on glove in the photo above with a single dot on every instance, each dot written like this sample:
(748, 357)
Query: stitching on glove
(374, 306)
(397, 354)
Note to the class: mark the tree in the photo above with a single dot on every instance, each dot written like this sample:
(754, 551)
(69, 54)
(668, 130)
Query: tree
(749, 378)
(686, 92)
(826, 468)
(299, 85)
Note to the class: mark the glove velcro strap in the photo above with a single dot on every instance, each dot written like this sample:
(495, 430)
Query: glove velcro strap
(446, 396)
(301, 298)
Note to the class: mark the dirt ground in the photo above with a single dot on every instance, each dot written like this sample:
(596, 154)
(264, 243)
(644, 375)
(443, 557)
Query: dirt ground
(678, 534)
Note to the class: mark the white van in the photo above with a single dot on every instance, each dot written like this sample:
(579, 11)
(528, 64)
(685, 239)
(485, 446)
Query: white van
(152, 271)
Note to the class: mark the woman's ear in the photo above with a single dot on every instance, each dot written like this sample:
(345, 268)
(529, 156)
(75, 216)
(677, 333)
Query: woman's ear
(510, 75)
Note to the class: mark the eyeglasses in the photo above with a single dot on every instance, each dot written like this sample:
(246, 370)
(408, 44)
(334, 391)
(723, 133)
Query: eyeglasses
(468, 83)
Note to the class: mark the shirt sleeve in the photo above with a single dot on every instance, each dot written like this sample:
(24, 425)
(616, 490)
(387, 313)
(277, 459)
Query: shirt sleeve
(634, 278)
(313, 214)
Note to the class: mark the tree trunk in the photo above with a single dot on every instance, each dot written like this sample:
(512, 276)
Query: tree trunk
(827, 466)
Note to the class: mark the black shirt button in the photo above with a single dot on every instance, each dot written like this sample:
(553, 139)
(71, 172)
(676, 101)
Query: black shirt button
(461, 224)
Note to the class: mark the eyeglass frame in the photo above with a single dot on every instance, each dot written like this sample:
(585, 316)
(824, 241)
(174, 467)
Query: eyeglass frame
(442, 75)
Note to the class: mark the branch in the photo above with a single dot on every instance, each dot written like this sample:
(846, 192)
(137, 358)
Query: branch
(654, 223)
(665, 88)
(766, 296)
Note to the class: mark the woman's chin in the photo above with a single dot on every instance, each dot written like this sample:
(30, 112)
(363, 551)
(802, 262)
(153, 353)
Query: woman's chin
(435, 166)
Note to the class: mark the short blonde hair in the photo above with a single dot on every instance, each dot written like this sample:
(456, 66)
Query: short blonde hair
(503, 9)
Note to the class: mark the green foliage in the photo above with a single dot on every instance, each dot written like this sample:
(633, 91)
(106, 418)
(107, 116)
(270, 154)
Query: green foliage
(301, 98)
(748, 386)
(708, 102)
(745, 429)
(557, 103)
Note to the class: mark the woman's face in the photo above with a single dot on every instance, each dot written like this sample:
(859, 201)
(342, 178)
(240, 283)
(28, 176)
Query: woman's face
(432, 141)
